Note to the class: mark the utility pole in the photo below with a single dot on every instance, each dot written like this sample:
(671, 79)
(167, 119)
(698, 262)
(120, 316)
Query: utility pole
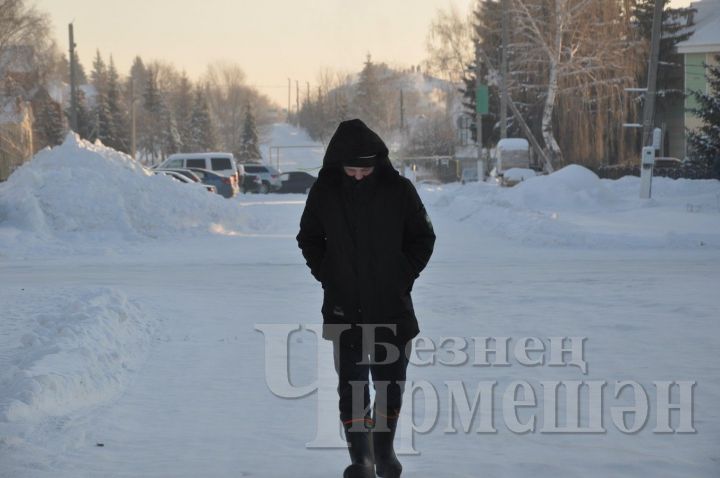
(73, 81)
(133, 133)
(504, 72)
(402, 111)
(297, 100)
(289, 103)
(478, 119)
(649, 106)
(307, 96)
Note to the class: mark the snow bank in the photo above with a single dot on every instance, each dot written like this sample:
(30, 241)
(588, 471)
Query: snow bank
(77, 354)
(573, 207)
(572, 187)
(80, 193)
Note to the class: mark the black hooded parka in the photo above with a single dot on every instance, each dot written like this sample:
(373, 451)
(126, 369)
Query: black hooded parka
(366, 241)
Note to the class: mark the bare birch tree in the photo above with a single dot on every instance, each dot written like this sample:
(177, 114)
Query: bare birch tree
(577, 49)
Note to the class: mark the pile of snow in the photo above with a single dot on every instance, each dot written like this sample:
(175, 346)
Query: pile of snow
(79, 353)
(573, 207)
(573, 187)
(81, 193)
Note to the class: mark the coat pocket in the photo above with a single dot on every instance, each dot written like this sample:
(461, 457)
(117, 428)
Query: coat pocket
(407, 275)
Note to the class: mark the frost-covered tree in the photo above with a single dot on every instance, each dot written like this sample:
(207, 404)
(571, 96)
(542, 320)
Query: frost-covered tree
(569, 62)
(181, 103)
(120, 138)
(170, 141)
(705, 141)
(369, 103)
(99, 73)
(48, 124)
(84, 116)
(449, 44)
(150, 137)
(203, 134)
(249, 147)
(102, 125)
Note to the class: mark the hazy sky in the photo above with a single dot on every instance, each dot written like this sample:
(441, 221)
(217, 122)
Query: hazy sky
(272, 40)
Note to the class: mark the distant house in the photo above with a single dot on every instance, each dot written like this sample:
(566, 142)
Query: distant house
(698, 50)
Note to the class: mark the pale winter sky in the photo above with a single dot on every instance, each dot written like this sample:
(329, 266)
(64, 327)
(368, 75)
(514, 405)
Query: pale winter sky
(272, 40)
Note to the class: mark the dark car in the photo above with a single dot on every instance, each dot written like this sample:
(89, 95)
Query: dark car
(269, 176)
(226, 186)
(251, 183)
(296, 182)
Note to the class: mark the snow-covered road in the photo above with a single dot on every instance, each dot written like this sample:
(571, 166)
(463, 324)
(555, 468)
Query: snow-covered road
(199, 405)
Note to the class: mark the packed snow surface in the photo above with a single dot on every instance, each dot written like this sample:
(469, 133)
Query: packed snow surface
(131, 304)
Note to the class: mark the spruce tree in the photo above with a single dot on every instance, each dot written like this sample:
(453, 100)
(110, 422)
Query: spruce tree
(170, 141)
(183, 108)
(99, 73)
(150, 137)
(203, 136)
(705, 141)
(368, 101)
(84, 119)
(103, 128)
(49, 123)
(487, 39)
(249, 148)
(120, 138)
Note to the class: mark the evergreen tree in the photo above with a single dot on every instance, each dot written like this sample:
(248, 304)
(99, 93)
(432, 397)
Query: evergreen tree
(99, 73)
(80, 75)
(487, 39)
(84, 119)
(705, 141)
(369, 98)
(120, 139)
(249, 148)
(676, 27)
(183, 108)
(102, 127)
(150, 139)
(170, 141)
(48, 123)
(203, 136)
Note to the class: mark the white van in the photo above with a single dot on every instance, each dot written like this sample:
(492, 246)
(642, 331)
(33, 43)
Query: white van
(221, 163)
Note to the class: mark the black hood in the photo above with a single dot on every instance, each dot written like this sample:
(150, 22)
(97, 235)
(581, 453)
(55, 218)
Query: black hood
(354, 139)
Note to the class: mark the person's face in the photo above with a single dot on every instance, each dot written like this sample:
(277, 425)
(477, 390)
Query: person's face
(358, 173)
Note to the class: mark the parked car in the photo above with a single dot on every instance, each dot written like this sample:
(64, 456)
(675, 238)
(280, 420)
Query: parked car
(185, 172)
(186, 180)
(296, 182)
(269, 176)
(223, 164)
(251, 183)
(667, 162)
(224, 185)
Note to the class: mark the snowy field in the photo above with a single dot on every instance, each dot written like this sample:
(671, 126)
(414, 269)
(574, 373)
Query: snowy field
(130, 306)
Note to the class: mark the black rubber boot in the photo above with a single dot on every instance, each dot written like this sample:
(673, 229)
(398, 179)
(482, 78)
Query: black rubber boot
(383, 435)
(361, 452)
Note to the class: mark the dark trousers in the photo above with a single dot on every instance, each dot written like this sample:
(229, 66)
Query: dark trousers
(362, 351)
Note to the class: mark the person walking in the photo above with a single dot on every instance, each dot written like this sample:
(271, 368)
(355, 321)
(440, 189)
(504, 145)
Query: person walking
(366, 236)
